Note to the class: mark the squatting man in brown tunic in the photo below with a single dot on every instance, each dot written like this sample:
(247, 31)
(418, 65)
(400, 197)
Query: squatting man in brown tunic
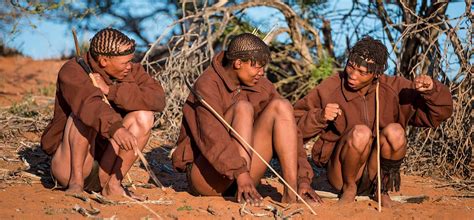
(91, 143)
(341, 112)
(215, 161)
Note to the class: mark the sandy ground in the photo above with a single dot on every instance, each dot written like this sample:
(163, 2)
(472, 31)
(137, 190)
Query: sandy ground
(26, 189)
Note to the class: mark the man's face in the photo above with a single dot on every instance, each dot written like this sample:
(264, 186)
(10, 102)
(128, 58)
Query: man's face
(357, 77)
(248, 74)
(117, 66)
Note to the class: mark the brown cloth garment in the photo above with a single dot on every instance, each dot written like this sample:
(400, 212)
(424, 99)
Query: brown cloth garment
(76, 94)
(203, 134)
(399, 103)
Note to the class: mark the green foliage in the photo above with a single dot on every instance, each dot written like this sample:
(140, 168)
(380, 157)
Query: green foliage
(235, 27)
(16, 15)
(37, 7)
(25, 108)
(49, 90)
(322, 70)
(185, 208)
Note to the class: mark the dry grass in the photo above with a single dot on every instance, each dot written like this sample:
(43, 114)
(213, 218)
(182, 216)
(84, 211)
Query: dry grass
(444, 152)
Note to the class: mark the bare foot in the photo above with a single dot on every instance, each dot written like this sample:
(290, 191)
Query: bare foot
(348, 195)
(288, 197)
(387, 202)
(114, 191)
(75, 189)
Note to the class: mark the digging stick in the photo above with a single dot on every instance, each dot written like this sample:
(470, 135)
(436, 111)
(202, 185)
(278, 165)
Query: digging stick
(377, 129)
(84, 65)
(89, 71)
(244, 142)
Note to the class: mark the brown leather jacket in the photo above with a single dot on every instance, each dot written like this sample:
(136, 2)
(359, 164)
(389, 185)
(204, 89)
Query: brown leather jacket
(399, 103)
(203, 134)
(76, 94)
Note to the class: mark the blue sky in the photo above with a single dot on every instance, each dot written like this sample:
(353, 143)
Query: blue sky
(51, 40)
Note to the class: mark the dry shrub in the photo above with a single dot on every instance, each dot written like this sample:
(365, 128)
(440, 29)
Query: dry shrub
(447, 148)
(28, 115)
(187, 57)
(206, 29)
(444, 152)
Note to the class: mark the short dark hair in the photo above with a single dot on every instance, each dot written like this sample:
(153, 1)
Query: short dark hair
(108, 41)
(369, 49)
(246, 47)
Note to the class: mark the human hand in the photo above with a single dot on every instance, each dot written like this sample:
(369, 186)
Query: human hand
(423, 83)
(125, 139)
(247, 190)
(100, 83)
(331, 111)
(308, 194)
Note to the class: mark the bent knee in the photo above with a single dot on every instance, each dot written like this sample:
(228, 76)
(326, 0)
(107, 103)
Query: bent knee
(242, 107)
(360, 137)
(281, 106)
(77, 128)
(395, 135)
(144, 119)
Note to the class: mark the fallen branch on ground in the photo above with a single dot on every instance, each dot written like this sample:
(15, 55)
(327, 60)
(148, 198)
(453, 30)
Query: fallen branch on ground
(402, 199)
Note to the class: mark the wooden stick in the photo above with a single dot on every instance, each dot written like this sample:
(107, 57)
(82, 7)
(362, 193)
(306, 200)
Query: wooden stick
(131, 181)
(147, 167)
(377, 130)
(402, 199)
(76, 43)
(244, 142)
(144, 206)
(270, 32)
(83, 64)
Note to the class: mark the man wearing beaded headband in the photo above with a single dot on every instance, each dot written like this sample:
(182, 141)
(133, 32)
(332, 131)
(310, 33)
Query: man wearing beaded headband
(341, 112)
(215, 162)
(91, 142)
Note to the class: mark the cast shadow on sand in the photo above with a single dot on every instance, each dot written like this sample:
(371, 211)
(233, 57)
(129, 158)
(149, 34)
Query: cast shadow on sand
(37, 163)
(160, 162)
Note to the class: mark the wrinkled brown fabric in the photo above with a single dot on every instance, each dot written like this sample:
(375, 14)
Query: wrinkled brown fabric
(399, 103)
(76, 94)
(203, 134)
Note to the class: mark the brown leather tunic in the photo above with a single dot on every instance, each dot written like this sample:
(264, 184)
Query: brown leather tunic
(399, 103)
(203, 134)
(76, 94)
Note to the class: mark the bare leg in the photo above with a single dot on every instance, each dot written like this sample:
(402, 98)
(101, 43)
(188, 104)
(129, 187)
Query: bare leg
(347, 162)
(139, 123)
(204, 178)
(241, 118)
(72, 161)
(393, 146)
(275, 127)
